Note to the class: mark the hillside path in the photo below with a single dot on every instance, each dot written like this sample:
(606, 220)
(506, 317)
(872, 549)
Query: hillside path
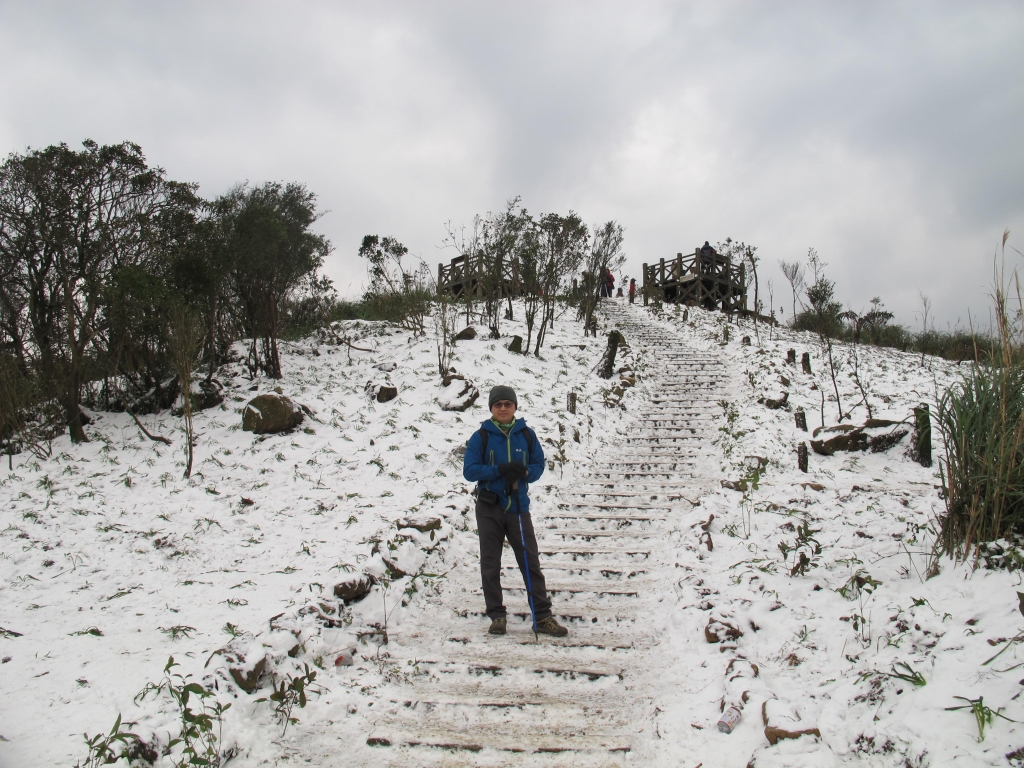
(583, 700)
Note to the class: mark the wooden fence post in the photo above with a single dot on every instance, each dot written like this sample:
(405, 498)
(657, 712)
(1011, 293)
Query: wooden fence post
(801, 456)
(801, 419)
(571, 402)
(922, 440)
(791, 357)
(805, 362)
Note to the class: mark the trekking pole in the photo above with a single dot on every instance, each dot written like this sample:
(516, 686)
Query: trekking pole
(526, 568)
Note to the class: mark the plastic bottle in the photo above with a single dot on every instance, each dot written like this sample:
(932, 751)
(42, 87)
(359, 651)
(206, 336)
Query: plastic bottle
(729, 719)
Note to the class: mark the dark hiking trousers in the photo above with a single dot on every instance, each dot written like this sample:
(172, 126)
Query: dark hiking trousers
(495, 526)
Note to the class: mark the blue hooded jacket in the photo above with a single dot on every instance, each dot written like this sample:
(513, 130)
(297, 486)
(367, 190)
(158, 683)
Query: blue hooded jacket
(502, 448)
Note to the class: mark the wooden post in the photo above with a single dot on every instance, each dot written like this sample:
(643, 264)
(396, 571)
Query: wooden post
(645, 285)
(570, 402)
(801, 419)
(922, 440)
(440, 278)
(791, 357)
(801, 456)
(805, 362)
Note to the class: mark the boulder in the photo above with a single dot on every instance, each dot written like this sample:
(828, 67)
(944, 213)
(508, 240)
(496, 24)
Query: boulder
(386, 367)
(516, 345)
(466, 334)
(458, 395)
(354, 588)
(269, 413)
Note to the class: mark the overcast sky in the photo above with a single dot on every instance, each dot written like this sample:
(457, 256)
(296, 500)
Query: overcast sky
(886, 135)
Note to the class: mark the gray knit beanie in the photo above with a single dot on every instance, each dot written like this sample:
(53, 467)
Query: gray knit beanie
(501, 392)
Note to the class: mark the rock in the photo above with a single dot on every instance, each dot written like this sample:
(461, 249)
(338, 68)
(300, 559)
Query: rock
(246, 660)
(450, 377)
(735, 485)
(776, 405)
(784, 381)
(854, 440)
(721, 631)
(248, 678)
(268, 413)
(859, 438)
(421, 524)
(466, 334)
(516, 345)
(745, 341)
(354, 588)
(386, 392)
(457, 395)
(627, 381)
(204, 395)
(812, 486)
(387, 367)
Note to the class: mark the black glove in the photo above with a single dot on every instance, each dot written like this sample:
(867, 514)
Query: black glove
(512, 471)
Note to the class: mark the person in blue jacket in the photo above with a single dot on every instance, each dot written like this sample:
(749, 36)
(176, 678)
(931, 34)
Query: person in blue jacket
(503, 457)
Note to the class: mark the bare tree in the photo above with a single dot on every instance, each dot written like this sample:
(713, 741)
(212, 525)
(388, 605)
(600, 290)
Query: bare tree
(794, 274)
(185, 340)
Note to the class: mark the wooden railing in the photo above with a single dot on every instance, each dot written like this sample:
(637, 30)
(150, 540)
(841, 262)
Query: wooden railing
(479, 277)
(708, 280)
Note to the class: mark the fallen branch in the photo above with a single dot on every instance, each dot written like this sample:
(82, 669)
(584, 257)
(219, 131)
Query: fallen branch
(146, 432)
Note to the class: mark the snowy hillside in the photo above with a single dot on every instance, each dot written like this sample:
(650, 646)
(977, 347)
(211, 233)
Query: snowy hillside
(815, 587)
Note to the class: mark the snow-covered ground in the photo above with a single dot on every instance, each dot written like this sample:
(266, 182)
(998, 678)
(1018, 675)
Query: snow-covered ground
(110, 563)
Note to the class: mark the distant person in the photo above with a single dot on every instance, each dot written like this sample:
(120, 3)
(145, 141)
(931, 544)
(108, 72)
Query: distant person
(502, 458)
(609, 283)
(707, 255)
(632, 290)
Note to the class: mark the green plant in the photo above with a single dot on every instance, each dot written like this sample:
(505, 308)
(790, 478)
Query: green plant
(101, 747)
(983, 715)
(178, 630)
(201, 726)
(291, 691)
(859, 583)
(806, 549)
(981, 419)
(903, 671)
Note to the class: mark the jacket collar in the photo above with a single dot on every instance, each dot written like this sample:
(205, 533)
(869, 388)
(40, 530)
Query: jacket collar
(490, 426)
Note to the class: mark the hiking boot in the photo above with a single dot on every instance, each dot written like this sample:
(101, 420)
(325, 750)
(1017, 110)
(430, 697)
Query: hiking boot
(551, 627)
(497, 626)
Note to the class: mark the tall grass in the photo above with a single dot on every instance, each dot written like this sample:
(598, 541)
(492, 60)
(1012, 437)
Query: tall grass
(981, 419)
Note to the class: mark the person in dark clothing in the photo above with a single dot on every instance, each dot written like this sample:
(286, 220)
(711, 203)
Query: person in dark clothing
(707, 256)
(503, 457)
(632, 290)
(609, 283)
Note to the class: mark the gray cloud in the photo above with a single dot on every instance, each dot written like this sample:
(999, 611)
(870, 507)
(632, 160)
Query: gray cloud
(883, 135)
